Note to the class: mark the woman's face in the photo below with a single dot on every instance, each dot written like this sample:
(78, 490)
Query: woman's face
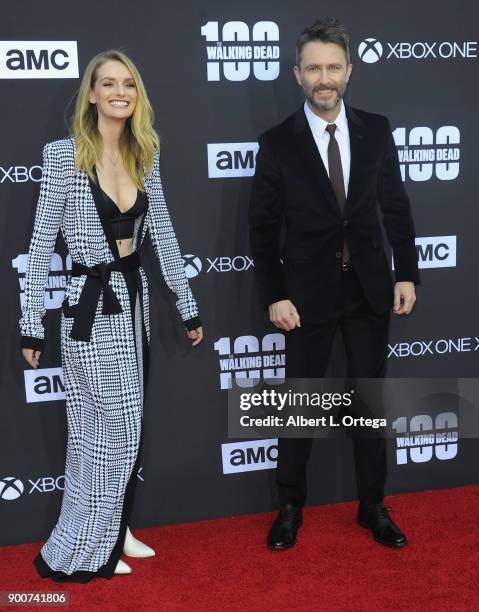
(114, 92)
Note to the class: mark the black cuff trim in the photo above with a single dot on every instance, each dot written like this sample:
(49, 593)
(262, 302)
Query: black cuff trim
(193, 323)
(37, 344)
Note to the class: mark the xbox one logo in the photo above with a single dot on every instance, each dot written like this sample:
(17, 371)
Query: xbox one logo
(193, 265)
(10, 488)
(370, 50)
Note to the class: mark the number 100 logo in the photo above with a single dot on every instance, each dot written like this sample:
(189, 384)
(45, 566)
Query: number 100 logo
(246, 360)
(426, 438)
(237, 50)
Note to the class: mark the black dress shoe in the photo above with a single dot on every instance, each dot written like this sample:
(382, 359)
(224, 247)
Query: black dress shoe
(377, 519)
(282, 534)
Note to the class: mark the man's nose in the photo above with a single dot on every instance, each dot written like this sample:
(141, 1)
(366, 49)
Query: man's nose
(323, 76)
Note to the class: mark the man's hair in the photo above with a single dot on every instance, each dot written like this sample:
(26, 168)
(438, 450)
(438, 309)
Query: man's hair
(327, 30)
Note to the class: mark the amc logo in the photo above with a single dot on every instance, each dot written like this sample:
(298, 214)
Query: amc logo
(231, 159)
(44, 385)
(38, 59)
(249, 456)
(436, 252)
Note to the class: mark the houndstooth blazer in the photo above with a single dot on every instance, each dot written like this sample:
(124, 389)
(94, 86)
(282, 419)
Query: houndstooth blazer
(66, 202)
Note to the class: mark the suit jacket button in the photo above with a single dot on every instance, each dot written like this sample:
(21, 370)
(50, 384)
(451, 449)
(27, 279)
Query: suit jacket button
(339, 254)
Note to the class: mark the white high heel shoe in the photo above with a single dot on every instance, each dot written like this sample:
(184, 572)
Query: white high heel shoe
(122, 568)
(134, 548)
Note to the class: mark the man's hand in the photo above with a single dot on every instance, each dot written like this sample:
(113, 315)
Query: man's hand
(284, 315)
(196, 335)
(404, 297)
(32, 356)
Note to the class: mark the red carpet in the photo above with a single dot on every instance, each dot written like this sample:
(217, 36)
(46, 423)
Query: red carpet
(336, 565)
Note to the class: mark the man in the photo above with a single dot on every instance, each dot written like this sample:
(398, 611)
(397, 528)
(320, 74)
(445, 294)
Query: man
(322, 172)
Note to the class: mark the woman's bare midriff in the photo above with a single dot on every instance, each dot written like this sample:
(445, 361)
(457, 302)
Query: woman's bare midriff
(124, 248)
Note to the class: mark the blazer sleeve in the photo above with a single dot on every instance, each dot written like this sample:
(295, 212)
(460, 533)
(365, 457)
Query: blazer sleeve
(47, 222)
(397, 217)
(168, 252)
(265, 219)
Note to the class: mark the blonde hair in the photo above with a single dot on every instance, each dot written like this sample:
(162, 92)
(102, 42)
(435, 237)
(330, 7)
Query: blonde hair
(139, 138)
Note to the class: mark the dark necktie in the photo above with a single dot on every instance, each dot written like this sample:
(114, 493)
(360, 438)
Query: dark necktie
(336, 176)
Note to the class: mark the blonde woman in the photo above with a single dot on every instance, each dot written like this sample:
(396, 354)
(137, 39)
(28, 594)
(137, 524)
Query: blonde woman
(102, 188)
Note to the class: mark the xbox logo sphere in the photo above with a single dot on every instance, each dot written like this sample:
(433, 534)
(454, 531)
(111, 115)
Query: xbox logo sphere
(193, 265)
(10, 488)
(370, 50)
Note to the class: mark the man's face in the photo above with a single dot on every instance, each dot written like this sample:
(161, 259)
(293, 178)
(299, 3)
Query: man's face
(323, 74)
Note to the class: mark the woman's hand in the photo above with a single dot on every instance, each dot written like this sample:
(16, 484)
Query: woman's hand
(32, 356)
(196, 335)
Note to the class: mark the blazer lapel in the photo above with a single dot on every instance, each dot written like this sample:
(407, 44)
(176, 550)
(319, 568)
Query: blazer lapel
(312, 159)
(149, 195)
(143, 227)
(105, 222)
(88, 186)
(358, 151)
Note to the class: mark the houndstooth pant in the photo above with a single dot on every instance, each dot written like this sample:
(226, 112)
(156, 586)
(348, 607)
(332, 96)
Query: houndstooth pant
(104, 443)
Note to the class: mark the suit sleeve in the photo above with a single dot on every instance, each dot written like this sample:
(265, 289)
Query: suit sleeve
(397, 217)
(168, 252)
(265, 219)
(47, 221)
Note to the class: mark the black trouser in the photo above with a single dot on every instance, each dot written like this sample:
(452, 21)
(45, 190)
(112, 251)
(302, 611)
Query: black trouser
(365, 336)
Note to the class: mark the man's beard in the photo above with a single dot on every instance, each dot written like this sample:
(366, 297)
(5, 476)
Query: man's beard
(327, 105)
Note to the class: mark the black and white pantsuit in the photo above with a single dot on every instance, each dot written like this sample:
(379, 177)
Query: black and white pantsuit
(105, 333)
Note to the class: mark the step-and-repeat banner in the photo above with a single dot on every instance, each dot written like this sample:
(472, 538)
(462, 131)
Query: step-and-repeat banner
(218, 75)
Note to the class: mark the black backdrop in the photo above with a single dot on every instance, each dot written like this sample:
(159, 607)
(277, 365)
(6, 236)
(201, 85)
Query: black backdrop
(424, 78)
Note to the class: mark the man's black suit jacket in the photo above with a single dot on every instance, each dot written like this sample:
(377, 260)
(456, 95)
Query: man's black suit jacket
(291, 184)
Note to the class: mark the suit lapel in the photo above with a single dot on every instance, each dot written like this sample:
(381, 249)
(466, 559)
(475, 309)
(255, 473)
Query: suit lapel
(88, 186)
(312, 159)
(358, 150)
(143, 225)
(105, 222)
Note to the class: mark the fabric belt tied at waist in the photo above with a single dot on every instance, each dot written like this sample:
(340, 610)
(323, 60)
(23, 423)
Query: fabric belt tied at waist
(96, 282)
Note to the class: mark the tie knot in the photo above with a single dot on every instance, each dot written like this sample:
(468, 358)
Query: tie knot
(331, 128)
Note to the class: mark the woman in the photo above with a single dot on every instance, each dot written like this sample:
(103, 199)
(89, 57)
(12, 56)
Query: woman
(102, 188)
